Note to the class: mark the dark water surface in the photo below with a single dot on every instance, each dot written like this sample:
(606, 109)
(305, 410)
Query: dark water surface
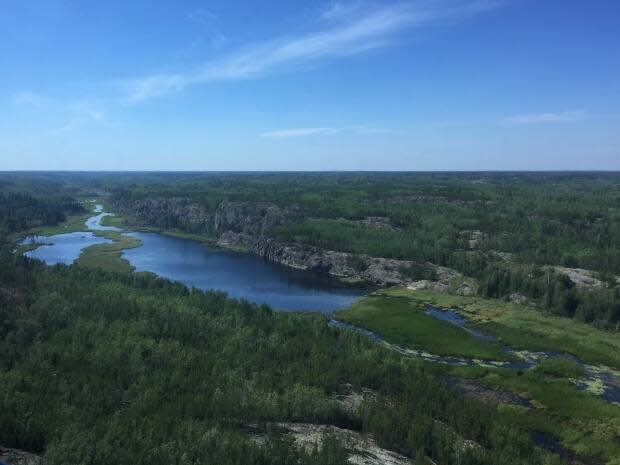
(238, 274)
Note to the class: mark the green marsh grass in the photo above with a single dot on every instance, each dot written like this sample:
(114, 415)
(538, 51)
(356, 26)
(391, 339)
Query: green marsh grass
(402, 321)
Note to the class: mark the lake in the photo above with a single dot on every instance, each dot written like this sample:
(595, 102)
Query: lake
(61, 248)
(196, 265)
(240, 275)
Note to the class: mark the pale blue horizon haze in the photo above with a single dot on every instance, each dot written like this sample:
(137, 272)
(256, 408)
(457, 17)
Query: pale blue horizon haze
(352, 85)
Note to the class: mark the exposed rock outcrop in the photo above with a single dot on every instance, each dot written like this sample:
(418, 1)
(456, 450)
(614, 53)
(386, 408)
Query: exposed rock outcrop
(517, 298)
(362, 449)
(352, 401)
(377, 222)
(583, 279)
(472, 239)
(495, 396)
(175, 212)
(18, 457)
(247, 218)
(379, 271)
(248, 225)
(433, 199)
(254, 219)
(465, 289)
(437, 286)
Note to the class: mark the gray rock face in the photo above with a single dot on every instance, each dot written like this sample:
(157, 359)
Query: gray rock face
(472, 239)
(465, 290)
(379, 271)
(18, 457)
(247, 224)
(253, 219)
(181, 213)
(517, 298)
(175, 212)
(229, 238)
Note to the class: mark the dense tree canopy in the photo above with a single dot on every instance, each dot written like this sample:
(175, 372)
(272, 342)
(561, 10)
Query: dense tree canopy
(27, 203)
(129, 369)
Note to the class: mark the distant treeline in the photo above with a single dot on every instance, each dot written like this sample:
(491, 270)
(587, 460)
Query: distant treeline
(29, 203)
(560, 219)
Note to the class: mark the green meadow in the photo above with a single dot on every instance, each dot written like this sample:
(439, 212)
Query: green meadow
(108, 256)
(525, 328)
(401, 320)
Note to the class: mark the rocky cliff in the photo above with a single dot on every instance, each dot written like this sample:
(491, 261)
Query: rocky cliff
(18, 457)
(374, 270)
(165, 213)
(249, 218)
(254, 219)
(248, 224)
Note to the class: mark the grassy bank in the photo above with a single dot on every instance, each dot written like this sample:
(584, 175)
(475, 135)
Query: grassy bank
(202, 238)
(581, 421)
(522, 327)
(108, 256)
(116, 221)
(73, 223)
(401, 320)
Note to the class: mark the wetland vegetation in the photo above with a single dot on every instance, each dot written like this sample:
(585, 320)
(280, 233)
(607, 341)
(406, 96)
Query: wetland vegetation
(570, 410)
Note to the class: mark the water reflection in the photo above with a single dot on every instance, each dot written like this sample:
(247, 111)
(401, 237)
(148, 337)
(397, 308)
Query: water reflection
(61, 248)
(240, 275)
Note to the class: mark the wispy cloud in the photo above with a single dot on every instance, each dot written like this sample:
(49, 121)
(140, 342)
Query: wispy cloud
(28, 99)
(207, 21)
(202, 16)
(305, 132)
(298, 132)
(341, 10)
(366, 32)
(543, 118)
(75, 113)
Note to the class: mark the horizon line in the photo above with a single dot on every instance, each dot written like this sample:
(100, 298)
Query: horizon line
(315, 171)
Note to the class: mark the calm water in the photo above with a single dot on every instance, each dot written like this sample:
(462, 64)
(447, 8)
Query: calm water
(62, 248)
(94, 223)
(240, 275)
(193, 264)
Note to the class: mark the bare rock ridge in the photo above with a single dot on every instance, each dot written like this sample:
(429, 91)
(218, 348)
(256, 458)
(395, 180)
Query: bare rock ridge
(249, 218)
(254, 219)
(248, 224)
(167, 212)
(18, 457)
(375, 270)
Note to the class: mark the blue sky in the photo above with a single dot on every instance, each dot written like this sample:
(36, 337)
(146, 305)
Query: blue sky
(276, 85)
